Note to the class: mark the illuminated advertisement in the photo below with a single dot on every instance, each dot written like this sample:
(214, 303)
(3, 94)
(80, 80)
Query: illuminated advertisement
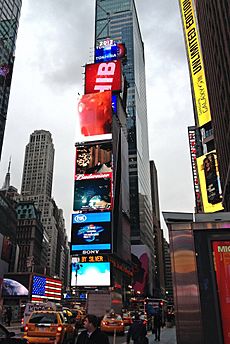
(91, 231)
(140, 260)
(103, 76)
(210, 182)
(45, 288)
(221, 254)
(15, 285)
(93, 192)
(109, 52)
(95, 117)
(94, 158)
(90, 274)
(193, 154)
(195, 62)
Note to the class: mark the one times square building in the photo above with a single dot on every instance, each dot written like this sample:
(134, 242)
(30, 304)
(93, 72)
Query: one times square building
(117, 20)
(9, 18)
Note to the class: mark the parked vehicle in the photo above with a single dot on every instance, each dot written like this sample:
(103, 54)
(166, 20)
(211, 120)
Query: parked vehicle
(48, 327)
(7, 337)
(113, 322)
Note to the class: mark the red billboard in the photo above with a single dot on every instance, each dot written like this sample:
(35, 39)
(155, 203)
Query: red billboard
(103, 76)
(221, 253)
(95, 116)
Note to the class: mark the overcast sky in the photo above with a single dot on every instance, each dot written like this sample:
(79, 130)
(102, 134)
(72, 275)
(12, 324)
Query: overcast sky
(55, 39)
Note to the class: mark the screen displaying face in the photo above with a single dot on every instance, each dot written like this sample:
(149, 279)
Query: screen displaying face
(90, 274)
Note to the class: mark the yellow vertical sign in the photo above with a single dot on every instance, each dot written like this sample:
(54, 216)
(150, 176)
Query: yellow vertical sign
(195, 62)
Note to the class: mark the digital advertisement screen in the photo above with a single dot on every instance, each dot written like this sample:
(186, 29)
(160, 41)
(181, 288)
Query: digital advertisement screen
(210, 182)
(106, 53)
(94, 158)
(12, 287)
(103, 76)
(93, 192)
(90, 274)
(46, 288)
(221, 253)
(91, 231)
(94, 116)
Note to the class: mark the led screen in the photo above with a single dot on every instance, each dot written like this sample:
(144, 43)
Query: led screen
(92, 192)
(94, 158)
(94, 116)
(91, 231)
(46, 288)
(90, 274)
(103, 76)
(11, 287)
(106, 53)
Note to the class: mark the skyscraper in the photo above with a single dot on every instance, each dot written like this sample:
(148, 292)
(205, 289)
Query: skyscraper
(214, 30)
(9, 18)
(117, 20)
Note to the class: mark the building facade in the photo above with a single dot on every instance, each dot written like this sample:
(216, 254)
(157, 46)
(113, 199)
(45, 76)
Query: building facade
(118, 21)
(214, 30)
(9, 20)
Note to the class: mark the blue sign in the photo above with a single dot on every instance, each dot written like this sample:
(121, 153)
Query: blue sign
(106, 53)
(91, 217)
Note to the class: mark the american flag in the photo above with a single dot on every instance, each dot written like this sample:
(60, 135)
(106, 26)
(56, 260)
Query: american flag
(46, 288)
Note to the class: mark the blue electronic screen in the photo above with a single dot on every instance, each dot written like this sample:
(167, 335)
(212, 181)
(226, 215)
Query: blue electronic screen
(107, 53)
(90, 274)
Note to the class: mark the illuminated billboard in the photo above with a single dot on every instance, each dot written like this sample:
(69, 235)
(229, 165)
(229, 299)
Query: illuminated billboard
(45, 288)
(91, 231)
(195, 62)
(109, 52)
(93, 192)
(94, 158)
(221, 254)
(90, 274)
(207, 166)
(95, 117)
(13, 287)
(103, 76)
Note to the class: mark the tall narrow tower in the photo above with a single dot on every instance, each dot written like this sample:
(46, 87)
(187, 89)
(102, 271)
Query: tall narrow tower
(9, 18)
(117, 20)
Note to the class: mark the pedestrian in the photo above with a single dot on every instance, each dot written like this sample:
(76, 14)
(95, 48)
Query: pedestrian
(92, 334)
(157, 323)
(137, 332)
(9, 315)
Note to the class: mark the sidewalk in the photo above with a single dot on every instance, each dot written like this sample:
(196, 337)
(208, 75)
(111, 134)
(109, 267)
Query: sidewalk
(168, 336)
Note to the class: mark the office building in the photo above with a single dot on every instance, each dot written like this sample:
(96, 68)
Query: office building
(9, 19)
(214, 30)
(117, 20)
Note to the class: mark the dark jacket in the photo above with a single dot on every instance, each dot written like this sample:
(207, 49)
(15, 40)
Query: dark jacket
(157, 320)
(137, 332)
(97, 337)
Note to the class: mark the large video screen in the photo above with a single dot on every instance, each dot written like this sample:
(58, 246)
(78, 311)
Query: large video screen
(90, 274)
(46, 288)
(12, 287)
(93, 192)
(95, 116)
(94, 158)
(91, 231)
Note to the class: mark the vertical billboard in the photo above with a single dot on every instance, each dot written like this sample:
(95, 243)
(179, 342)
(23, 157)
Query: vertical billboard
(95, 117)
(210, 182)
(90, 274)
(103, 76)
(195, 62)
(221, 254)
(91, 231)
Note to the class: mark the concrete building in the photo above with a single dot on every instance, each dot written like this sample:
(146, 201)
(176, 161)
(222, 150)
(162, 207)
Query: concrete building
(9, 20)
(117, 20)
(168, 272)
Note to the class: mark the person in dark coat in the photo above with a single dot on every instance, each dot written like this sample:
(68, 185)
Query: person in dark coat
(92, 334)
(157, 325)
(137, 332)
(8, 315)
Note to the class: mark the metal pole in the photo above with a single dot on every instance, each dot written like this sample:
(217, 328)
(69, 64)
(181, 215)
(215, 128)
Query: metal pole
(114, 336)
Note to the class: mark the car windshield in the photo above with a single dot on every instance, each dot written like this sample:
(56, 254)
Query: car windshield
(113, 316)
(43, 318)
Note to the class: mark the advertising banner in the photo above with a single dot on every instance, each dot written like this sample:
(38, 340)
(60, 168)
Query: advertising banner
(45, 288)
(94, 158)
(90, 274)
(210, 182)
(91, 231)
(103, 76)
(221, 253)
(195, 62)
(93, 192)
(95, 117)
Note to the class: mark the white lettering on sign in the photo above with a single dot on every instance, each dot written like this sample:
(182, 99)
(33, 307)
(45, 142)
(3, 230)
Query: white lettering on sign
(92, 176)
(90, 252)
(223, 248)
(105, 74)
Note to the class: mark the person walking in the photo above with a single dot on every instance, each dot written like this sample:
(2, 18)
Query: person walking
(137, 332)
(8, 315)
(157, 323)
(92, 334)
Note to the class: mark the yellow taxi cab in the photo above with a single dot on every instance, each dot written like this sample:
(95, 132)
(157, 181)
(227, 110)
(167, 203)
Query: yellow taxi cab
(127, 318)
(49, 327)
(113, 322)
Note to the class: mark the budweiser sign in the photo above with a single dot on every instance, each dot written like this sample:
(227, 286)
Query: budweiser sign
(103, 76)
(93, 176)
